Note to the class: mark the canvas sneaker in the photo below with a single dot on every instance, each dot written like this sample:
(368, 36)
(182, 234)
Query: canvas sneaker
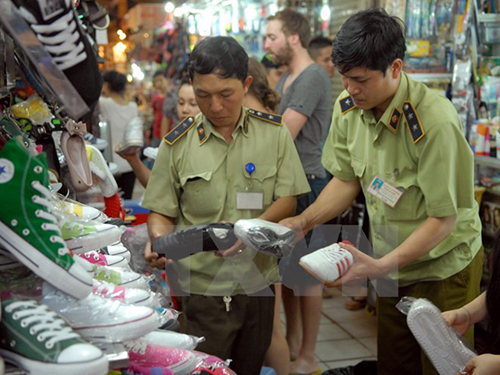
(98, 143)
(328, 263)
(119, 276)
(101, 319)
(57, 27)
(145, 355)
(132, 296)
(28, 227)
(95, 257)
(172, 339)
(117, 248)
(151, 152)
(83, 236)
(265, 236)
(99, 167)
(439, 341)
(80, 210)
(208, 237)
(37, 340)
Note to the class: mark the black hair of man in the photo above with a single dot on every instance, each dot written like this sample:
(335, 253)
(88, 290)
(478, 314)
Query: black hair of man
(220, 55)
(159, 73)
(116, 81)
(318, 43)
(369, 39)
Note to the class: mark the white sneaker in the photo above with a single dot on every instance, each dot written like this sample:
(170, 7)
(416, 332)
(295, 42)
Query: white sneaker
(132, 296)
(151, 152)
(438, 340)
(117, 248)
(100, 319)
(327, 264)
(133, 137)
(119, 276)
(78, 209)
(172, 339)
(95, 257)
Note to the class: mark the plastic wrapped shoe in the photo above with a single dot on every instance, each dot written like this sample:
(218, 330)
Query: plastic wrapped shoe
(119, 276)
(186, 242)
(38, 341)
(133, 137)
(117, 248)
(172, 339)
(101, 319)
(151, 152)
(28, 227)
(95, 257)
(439, 341)
(328, 263)
(132, 296)
(78, 209)
(265, 236)
(143, 356)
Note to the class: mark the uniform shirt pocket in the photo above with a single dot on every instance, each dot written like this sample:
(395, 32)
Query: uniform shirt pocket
(199, 195)
(411, 205)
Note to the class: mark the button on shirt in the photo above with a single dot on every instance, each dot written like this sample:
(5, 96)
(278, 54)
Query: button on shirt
(196, 180)
(436, 175)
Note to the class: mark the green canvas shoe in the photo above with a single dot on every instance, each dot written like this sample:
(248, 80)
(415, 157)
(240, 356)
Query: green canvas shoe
(28, 229)
(37, 340)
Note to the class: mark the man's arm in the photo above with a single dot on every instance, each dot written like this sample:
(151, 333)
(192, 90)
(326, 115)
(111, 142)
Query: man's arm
(336, 197)
(140, 170)
(281, 208)
(158, 225)
(422, 240)
(294, 121)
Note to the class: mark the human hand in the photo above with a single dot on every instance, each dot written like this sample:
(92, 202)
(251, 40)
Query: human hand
(237, 248)
(458, 319)
(486, 364)
(296, 223)
(154, 258)
(364, 267)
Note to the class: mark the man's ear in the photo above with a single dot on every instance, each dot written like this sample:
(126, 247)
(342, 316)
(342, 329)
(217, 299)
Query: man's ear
(396, 68)
(247, 83)
(294, 39)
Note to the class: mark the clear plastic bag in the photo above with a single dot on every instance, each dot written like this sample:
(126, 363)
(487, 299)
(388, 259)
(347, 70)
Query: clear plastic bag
(448, 352)
(265, 236)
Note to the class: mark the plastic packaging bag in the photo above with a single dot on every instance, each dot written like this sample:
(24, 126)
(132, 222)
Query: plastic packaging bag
(446, 350)
(265, 236)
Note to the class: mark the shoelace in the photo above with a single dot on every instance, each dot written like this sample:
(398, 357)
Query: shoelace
(62, 40)
(136, 346)
(96, 256)
(106, 272)
(43, 323)
(44, 200)
(109, 290)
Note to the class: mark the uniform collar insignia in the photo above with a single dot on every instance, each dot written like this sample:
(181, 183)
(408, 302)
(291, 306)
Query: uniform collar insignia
(202, 133)
(394, 119)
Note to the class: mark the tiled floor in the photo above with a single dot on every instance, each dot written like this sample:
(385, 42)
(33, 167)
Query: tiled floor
(345, 337)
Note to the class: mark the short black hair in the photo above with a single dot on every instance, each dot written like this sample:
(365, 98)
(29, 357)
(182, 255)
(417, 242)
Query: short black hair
(220, 55)
(116, 81)
(159, 73)
(317, 43)
(370, 39)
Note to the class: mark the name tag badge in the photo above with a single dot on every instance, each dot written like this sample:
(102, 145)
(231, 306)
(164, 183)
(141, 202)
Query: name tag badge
(250, 200)
(384, 191)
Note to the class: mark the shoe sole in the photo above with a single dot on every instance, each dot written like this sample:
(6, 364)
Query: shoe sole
(119, 332)
(439, 341)
(312, 273)
(41, 265)
(93, 241)
(96, 367)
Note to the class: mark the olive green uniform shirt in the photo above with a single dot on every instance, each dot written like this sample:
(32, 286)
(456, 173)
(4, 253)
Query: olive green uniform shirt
(430, 161)
(195, 180)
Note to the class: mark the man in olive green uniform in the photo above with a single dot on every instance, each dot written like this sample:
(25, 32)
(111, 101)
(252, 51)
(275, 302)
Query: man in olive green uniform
(227, 163)
(403, 145)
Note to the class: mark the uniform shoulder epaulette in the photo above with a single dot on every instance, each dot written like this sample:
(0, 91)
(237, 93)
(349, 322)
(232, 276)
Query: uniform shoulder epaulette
(267, 117)
(180, 129)
(413, 121)
(346, 104)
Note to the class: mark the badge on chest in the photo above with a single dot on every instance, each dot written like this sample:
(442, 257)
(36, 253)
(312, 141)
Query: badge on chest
(251, 198)
(384, 191)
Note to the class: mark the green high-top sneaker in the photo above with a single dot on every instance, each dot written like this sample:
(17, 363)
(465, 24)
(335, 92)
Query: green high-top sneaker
(39, 341)
(28, 230)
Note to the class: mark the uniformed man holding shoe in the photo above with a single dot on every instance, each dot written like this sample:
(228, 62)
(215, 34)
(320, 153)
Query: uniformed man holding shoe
(403, 145)
(225, 164)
